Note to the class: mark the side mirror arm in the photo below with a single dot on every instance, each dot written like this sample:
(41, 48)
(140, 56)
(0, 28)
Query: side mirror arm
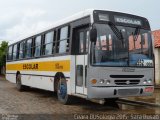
(93, 35)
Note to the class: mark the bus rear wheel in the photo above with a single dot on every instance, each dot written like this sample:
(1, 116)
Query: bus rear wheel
(62, 95)
(19, 85)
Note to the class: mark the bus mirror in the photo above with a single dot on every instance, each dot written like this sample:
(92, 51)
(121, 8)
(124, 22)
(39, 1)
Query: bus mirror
(93, 35)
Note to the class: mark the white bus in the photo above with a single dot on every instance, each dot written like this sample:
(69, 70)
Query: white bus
(93, 54)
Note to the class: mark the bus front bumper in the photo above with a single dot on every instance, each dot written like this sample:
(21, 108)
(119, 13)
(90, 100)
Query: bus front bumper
(114, 92)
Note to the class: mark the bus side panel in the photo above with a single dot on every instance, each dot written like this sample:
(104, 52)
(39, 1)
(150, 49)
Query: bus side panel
(11, 77)
(73, 74)
(41, 82)
(37, 78)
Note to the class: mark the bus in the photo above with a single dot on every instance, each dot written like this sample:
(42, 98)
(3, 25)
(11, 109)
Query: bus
(94, 54)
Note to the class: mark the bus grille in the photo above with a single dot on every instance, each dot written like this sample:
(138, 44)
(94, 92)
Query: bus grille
(126, 76)
(126, 92)
(127, 82)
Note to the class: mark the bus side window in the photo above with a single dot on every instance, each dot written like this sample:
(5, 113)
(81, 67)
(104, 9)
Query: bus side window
(83, 41)
(87, 40)
(9, 56)
(37, 46)
(48, 43)
(18, 47)
(29, 48)
(63, 40)
(21, 50)
(15, 52)
(54, 42)
(79, 73)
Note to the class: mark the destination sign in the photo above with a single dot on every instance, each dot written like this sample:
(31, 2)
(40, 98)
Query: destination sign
(127, 20)
(103, 17)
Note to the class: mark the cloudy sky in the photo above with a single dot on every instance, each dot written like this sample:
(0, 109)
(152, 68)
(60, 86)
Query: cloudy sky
(21, 17)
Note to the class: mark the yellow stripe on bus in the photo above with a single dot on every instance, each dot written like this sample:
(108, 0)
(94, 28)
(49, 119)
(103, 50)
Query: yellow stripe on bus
(60, 66)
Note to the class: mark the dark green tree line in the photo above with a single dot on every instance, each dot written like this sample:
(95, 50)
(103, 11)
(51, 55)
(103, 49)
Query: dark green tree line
(3, 52)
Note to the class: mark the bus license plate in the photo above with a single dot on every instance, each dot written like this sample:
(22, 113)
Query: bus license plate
(148, 89)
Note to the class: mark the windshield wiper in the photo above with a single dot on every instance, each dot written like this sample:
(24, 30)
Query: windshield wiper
(116, 31)
(136, 33)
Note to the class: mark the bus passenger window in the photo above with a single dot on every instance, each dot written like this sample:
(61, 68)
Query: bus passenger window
(28, 48)
(15, 52)
(10, 53)
(48, 44)
(37, 46)
(21, 50)
(64, 40)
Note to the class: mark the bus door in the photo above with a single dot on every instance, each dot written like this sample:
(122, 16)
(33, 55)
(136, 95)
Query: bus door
(81, 60)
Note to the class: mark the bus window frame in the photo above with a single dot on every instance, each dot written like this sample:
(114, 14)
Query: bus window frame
(43, 44)
(68, 39)
(31, 38)
(10, 59)
(16, 51)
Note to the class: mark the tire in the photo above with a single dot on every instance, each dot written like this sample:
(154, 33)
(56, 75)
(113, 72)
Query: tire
(19, 85)
(62, 95)
(111, 102)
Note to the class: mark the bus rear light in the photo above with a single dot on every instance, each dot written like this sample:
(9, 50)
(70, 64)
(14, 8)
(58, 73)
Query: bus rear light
(148, 89)
(93, 81)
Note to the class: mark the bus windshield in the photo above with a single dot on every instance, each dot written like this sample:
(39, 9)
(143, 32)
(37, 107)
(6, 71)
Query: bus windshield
(134, 48)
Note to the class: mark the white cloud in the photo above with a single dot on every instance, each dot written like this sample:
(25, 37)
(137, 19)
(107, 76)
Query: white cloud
(23, 30)
(31, 13)
(31, 20)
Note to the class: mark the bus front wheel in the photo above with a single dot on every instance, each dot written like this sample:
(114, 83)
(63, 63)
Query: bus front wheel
(62, 95)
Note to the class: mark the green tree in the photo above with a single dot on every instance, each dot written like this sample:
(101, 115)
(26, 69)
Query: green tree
(3, 52)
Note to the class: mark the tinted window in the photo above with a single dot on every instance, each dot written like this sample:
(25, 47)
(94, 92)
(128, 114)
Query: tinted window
(64, 40)
(48, 43)
(10, 53)
(37, 46)
(81, 40)
(15, 52)
(87, 40)
(21, 50)
(64, 33)
(28, 48)
(49, 37)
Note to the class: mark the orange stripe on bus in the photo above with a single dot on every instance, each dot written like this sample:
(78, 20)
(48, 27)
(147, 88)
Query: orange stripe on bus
(57, 66)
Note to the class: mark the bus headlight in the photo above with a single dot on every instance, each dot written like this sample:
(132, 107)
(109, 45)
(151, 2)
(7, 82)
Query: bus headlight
(101, 81)
(149, 81)
(108, 82)
(145, 82)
